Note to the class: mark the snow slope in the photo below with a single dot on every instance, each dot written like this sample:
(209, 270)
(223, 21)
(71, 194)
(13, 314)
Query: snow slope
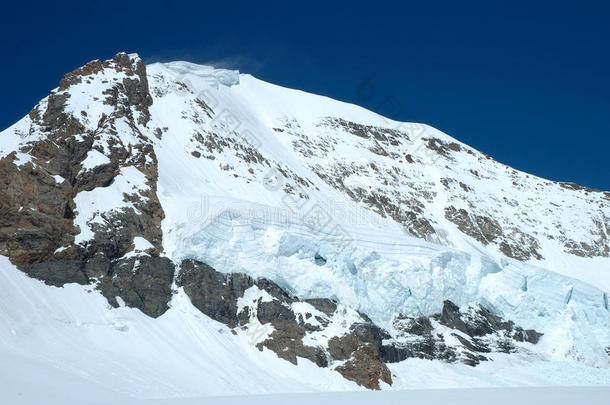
(67, 345)
(258, 201)
(183, 353)
(261, 132)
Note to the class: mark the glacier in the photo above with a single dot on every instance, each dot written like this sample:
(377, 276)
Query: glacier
(383, 276)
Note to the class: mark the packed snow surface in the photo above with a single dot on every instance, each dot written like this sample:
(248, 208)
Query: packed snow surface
(498, 396)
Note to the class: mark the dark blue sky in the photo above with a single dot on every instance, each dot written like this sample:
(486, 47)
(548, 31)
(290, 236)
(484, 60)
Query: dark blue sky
(527, 83)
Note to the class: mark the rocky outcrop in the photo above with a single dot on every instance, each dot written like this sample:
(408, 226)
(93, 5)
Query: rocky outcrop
(358, 349)
(453, 335)
(36, 214)
(214, 293)
(142, 282)
(68, 153)
(479, 321)
(38, 199)
(246, 304)
(487, 230)
(365, 368)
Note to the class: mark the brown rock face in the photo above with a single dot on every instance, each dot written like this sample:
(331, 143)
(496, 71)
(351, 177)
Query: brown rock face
(38, 211)
(75, 77)
(287, 342)
(37, 202)
(365, 368)
(35, 213)
(361, 350)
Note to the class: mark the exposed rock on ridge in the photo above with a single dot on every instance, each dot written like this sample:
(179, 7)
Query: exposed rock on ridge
(41, 228)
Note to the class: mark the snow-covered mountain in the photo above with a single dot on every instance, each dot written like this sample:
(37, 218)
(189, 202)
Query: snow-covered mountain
(197, 224)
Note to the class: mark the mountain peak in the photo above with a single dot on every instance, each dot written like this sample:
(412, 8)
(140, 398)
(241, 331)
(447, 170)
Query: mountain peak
(305, 226)
(129, 63)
